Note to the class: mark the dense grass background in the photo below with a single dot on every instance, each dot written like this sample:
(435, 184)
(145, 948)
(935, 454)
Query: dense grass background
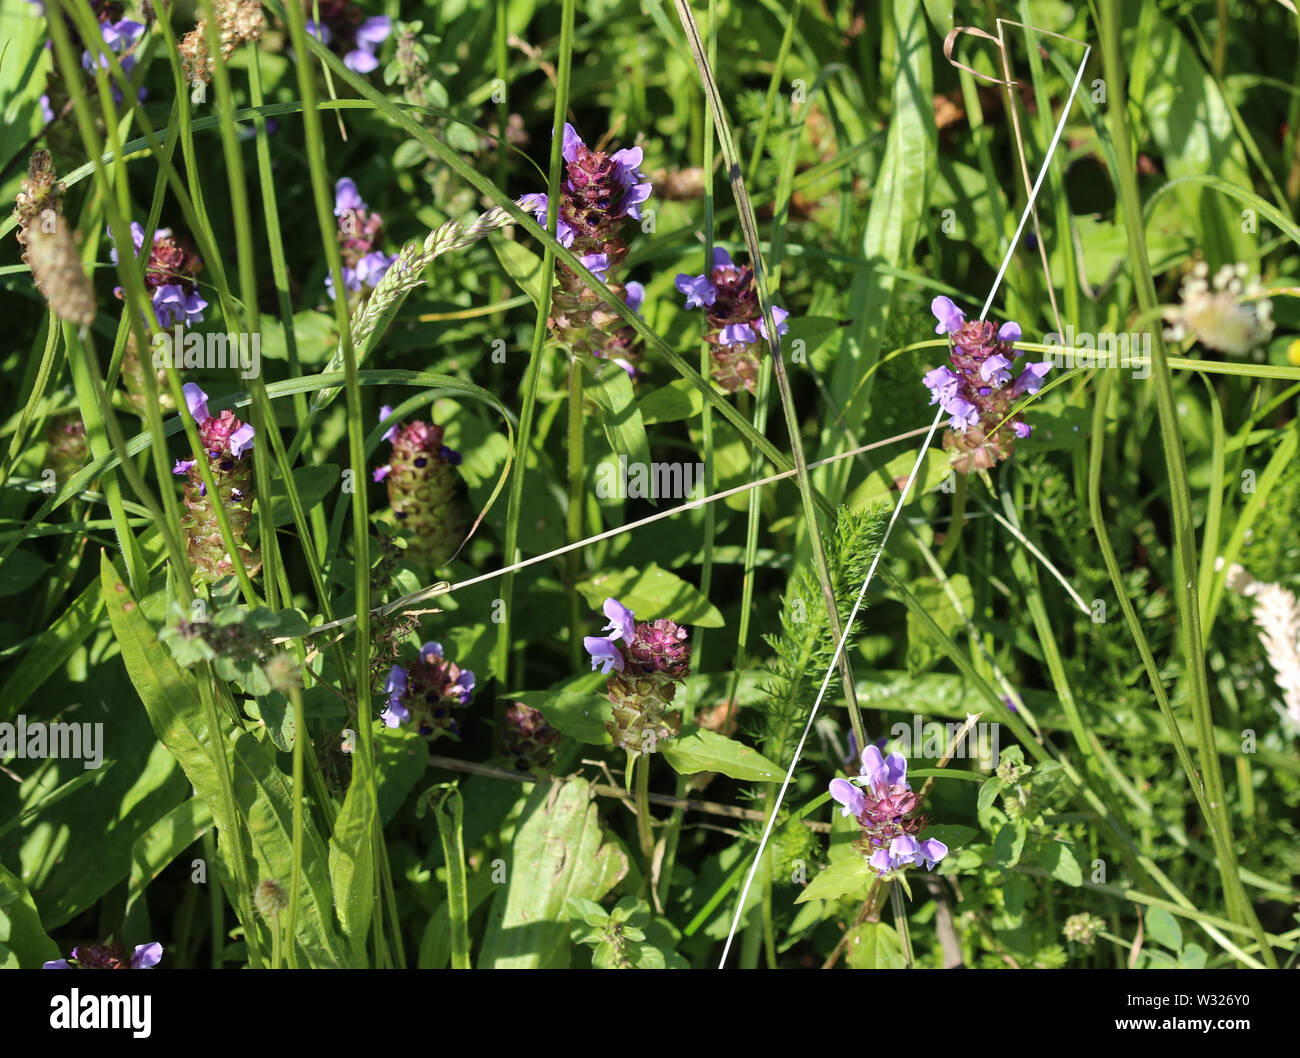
(1080, 595)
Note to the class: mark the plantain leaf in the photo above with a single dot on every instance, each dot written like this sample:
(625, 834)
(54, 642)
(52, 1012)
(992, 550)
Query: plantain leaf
(559, 851)
(262, 798)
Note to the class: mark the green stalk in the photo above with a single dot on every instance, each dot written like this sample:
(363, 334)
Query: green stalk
(1184, 530)
(514, 509)
(573, 517)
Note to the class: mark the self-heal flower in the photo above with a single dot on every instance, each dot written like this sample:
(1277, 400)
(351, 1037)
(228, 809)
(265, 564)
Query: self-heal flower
(598, 194)
(169, 277)
(881, 800)
(734, 317)
(345, 29)
(425, 693)
(226, 440)
(110, 956)
(975, 387)
(422, 485)
(360, 234)
(644, 661)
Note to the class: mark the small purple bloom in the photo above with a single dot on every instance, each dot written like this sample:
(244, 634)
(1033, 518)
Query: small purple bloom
(604, 654)
(699, 290)
(883, 772)
(1021, 430)
(942, 383)
(183, 465)
(347, 197)
(56, 964)
(197, 401)
(572, 141)
(950, 317)
(904, 850)
(1009, 332)
(596, 263)
(396, 714)
(431, 650)
(1031, 378)
(779, 316)
(722, 259)
(241, 440)
(995, 370)
(964, 414)
(634, 295)
(385, 412)
(146, 956)
(380, 473)
(621, 620)
(931, 851)
(370, 34)
(738, 334)
(849, 796)
(880, 861)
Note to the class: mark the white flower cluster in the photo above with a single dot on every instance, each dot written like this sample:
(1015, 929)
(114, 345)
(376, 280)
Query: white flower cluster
(1276, 612)
(1229, 313)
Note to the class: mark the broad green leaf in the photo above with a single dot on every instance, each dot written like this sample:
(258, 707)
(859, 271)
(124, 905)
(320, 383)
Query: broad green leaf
(314, 483)
(23, 941)
(888, 481)
(521, 264)
(559, 851)
(1059, 860)
(262, 797)
(163, 842)
(875, 946)
(610, 389)
(352, 859)
(20, 571)
(674, 402)
(52, 649)
(699, 750)
(1008, 843)
(651, 592)
(1163, 928)
(845, 877)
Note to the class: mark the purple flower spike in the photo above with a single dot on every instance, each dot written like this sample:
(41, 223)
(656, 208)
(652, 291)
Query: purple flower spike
(604, 654)
(1031, 378)
(197, 401)
(932, 850)
(950, 317)
(146, 956)
(241, 440)
(385, 412)
(699, 290)
(621, 620)
(849, 796)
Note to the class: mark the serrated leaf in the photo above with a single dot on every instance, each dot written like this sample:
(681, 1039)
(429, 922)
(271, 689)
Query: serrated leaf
(845, 877)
